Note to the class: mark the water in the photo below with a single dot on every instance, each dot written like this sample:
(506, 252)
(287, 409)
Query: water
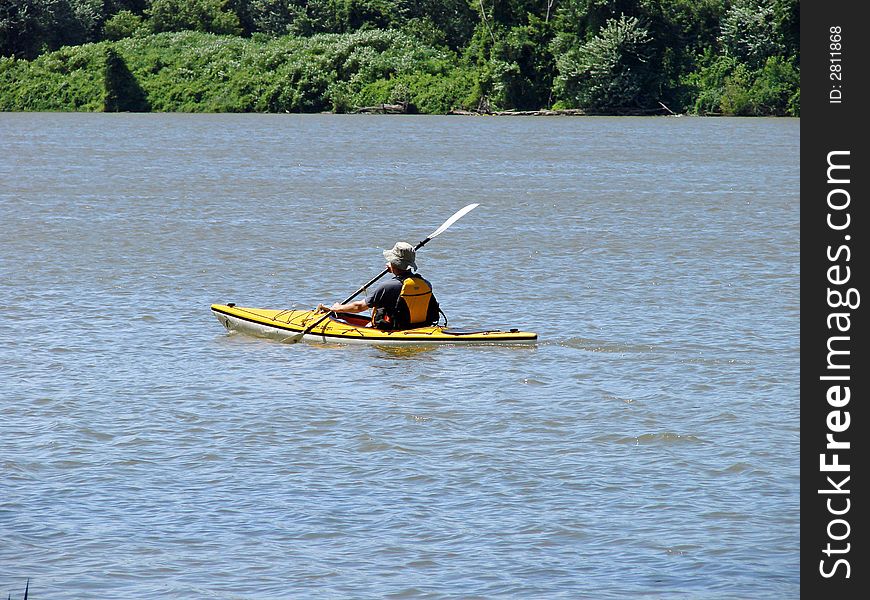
(647, 446)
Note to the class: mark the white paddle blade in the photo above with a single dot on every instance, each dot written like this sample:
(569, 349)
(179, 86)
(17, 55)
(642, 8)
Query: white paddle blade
(459, 214)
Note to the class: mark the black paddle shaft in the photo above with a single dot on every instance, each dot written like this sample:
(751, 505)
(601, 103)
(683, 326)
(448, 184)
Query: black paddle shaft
(379, 275)
(456, 216)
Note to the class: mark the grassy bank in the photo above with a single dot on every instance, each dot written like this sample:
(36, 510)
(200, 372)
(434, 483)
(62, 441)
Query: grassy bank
(729, 57)
(202, 72)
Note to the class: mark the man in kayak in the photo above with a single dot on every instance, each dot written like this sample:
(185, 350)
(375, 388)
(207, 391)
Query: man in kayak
(402, 302)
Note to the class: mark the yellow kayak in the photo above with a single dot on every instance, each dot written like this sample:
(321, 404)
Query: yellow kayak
(286, 325)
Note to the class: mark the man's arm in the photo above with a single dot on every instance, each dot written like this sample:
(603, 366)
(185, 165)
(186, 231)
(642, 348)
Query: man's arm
(353, 307)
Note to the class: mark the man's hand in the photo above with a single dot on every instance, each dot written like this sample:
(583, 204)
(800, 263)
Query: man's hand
(354, 307)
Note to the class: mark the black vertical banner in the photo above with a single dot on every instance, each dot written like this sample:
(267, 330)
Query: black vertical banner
(835, 109)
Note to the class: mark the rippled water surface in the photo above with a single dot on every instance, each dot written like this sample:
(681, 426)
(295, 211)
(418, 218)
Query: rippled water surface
(646, 446)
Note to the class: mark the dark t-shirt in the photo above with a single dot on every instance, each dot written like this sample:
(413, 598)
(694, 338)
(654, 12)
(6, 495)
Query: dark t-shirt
(386, 295)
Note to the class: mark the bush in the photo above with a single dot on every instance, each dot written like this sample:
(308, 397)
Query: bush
(274, 17)
(749, 32)
(29, 28)
(122, 25)
(729, 87)
(609, 72)
(708, 82)
(523, 67)
(69, 79)
(210, 16)
(122, 90)
(776, 89)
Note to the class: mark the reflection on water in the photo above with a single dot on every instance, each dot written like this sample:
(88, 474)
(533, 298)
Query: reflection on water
(405, 352)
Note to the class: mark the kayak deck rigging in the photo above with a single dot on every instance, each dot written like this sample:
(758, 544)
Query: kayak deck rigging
(351, 328)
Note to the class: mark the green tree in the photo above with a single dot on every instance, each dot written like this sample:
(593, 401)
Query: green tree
(584, 19)
(31, 27)
(610, 72)
(137, 7)
(275, 17)
(525, 66)
(24, 27)
(787, 24)
(680, 32)
(455, 19)
(707, 83)
(727, 86)
(749, 32)
(209, 16)
(345, 16)
(776, 88)
(121, 25)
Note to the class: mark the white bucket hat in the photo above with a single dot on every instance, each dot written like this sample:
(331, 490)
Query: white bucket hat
(402, 256)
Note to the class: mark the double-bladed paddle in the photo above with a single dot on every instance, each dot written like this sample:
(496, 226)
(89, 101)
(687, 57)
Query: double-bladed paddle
(458, 215)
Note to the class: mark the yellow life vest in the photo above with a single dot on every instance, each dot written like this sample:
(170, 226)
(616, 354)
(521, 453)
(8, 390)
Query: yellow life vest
(414, 307)
(416, 294)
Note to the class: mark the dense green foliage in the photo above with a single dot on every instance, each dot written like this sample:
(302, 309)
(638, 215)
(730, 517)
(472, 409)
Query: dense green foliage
(122, 90)
(735, 57)
(195, 71)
